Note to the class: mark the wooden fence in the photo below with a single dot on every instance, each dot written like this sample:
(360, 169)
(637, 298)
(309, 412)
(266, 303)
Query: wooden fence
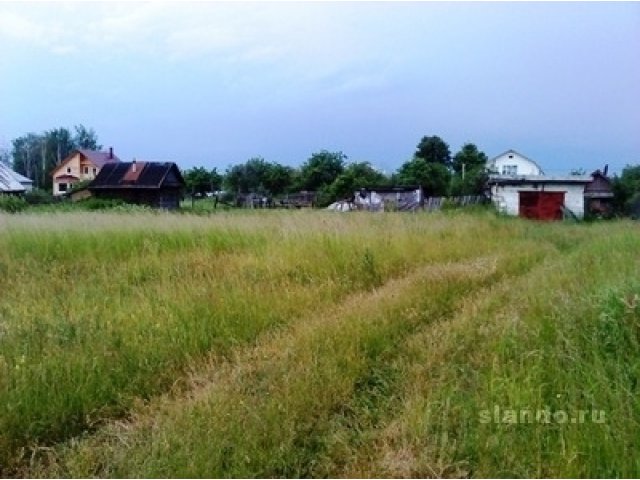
(436, 203)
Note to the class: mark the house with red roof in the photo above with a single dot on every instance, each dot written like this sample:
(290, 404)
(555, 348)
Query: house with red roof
(80, 165)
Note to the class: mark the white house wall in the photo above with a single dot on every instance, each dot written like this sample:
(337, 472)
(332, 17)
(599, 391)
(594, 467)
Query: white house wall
(507, 198)
(524, 165)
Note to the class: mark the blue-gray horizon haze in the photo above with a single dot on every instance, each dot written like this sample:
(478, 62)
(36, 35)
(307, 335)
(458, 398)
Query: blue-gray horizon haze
(213, 84)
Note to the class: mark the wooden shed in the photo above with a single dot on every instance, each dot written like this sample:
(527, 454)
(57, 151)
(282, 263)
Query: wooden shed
(389, 198)
(598, 195)
(156, 184)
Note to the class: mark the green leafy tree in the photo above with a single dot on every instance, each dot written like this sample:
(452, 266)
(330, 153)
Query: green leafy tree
(355, 176)
(626, 191)
(216, 179)
(25, 152)
(468, 158)
(199, 180)
(433, 177)
(278, 178)
(470, 171)
(36, 155)
(473, 183)
(236, 179)
(5, 157)
(321, 170)
(85, 138)
(432, 149)
(259, 176)
(54, 146)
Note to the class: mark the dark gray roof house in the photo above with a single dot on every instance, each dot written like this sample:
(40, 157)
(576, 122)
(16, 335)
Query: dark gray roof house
(156, 184)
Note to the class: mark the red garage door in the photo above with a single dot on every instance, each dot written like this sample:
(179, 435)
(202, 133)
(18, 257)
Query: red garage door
(541, 205)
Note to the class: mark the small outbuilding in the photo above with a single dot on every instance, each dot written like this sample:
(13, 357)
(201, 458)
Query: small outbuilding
(598, 195)
(12, 182)
(380, 199)
(518, 186)
(384, 198)
(156, 184)
(539, 197)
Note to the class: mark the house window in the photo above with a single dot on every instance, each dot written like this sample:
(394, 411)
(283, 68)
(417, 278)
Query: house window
(68, 169)
(62, 187)
(94, 170)
(509, 170)
(86, 170)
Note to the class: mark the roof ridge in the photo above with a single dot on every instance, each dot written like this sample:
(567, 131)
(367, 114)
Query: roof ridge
(511, 150)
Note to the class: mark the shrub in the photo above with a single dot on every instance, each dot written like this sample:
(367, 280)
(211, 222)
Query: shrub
(100, 203)
(12, 204)
(39, 197)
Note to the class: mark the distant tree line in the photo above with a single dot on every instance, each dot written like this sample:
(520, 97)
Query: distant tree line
(35, 155)
(329, 174)
(433, 167)
(332, 177)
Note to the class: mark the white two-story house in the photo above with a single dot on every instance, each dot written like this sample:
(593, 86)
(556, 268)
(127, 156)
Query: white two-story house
(520, 187)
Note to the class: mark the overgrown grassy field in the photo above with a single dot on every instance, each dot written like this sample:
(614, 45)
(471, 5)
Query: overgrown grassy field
(265, 344)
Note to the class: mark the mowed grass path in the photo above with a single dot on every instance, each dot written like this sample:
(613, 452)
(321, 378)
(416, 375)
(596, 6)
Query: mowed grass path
(316, 344)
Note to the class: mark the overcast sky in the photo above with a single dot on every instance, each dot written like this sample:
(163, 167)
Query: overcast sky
(215, 84)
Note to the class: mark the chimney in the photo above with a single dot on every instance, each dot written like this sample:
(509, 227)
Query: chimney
(133, 166)
(110, 153)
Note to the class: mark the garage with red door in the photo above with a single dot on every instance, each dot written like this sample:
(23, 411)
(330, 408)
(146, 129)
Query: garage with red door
(541, 205)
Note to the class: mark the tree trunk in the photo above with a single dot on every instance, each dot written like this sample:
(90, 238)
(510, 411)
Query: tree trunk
(43, 153)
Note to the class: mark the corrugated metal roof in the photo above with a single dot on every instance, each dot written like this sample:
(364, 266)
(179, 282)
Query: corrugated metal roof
(540, 179)
(8, 180)
(22, 179)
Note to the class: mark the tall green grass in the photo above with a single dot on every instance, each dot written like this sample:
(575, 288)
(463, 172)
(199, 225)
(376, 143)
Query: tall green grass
(101, 310)
(303, 343)
(561, 339)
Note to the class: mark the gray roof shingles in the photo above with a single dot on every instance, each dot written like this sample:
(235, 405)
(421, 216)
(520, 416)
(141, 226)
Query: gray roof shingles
(99, 159)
